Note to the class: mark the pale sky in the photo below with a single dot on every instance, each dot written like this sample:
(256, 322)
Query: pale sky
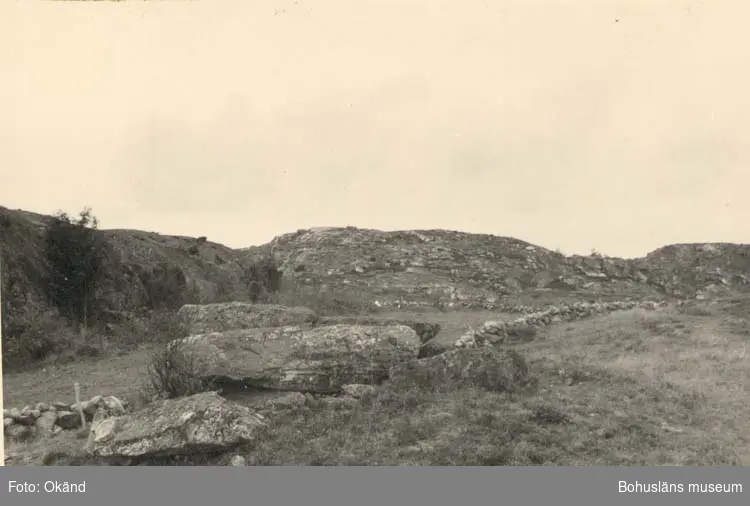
(548, 121)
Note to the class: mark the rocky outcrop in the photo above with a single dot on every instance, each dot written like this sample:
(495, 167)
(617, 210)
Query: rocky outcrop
(44, 419)
(694, 270)
(141, 270)
(402, 269)
(460, 270)
(200, 423)
(241, 315)
(318, 359)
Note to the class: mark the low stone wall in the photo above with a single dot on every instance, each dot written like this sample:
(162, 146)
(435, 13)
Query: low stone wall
(50, 419)
(497, 332)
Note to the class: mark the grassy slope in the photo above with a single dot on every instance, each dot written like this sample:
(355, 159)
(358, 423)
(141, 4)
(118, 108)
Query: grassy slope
(648, 389)
(630, 388)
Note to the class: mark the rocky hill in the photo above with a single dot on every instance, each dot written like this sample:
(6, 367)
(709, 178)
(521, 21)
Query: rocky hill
(142, 269)
(431, 268)
(456, 269)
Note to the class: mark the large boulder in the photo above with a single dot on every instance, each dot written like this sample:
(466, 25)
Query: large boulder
(425, 330)
(200, 423)
(320, 359)
(484, 367)
(222, 316)
(433, 347)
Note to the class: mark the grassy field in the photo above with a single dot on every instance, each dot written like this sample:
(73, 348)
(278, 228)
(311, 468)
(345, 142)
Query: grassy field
(665, 387)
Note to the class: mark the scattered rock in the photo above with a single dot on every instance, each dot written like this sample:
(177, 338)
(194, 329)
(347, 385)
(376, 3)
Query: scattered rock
(238, 461)
(28, 416)
(112, 406)
(90, 406)
(46, 423)
(51, 419)
(68, 420)
(100, 415)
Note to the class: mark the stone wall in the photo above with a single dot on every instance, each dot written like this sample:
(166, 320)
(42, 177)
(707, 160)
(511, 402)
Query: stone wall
(498, 332)
(49, 419)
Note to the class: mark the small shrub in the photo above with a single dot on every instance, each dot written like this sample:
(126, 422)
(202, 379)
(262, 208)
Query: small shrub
(5, 221)
(36, 338)
(224, 291)
(263, 277)
(172, 372)
(167, 326)
(88, 350)
(154, 327)
(166, 287)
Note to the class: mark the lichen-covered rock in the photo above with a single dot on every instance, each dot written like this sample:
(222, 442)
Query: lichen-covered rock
(42, 407)
(485, 367)
(433, 347)
(46, 422)
(238, 461)
(202, 318)
(89, 406)
(188, 425)
(319, 359)
(425, 330)
(68, 420)
(28, 416)
(112, 406)
(358, 391)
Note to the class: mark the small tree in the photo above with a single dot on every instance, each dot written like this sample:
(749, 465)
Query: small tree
(262, 277)
(75, 254)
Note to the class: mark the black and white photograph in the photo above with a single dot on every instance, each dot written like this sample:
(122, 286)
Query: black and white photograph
(371, 233)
